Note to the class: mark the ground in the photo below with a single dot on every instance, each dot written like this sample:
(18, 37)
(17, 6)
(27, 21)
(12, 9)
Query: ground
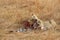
(12, 12)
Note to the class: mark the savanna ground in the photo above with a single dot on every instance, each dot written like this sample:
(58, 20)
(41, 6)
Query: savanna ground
(12, 12)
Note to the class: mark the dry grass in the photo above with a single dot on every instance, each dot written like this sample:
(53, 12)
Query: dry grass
(12, 12)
